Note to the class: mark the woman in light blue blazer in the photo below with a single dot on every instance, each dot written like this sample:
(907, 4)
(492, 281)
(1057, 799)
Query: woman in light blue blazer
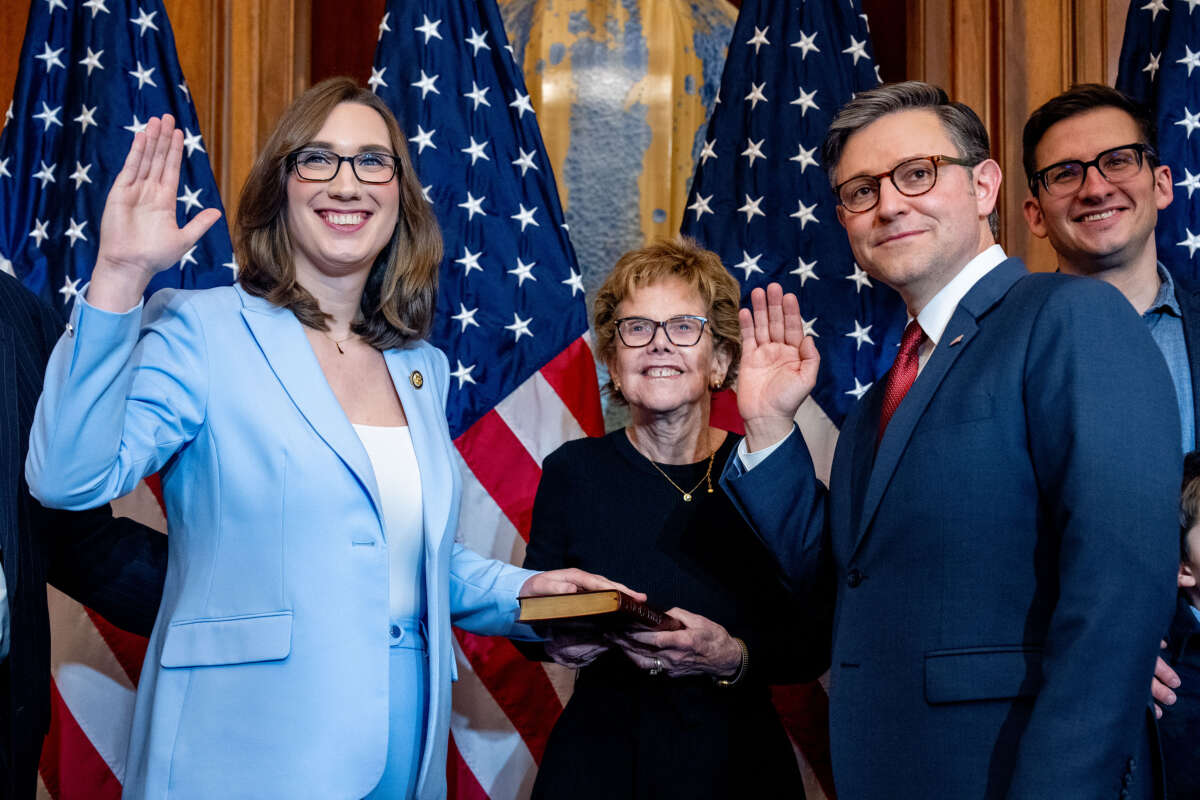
(303, 647)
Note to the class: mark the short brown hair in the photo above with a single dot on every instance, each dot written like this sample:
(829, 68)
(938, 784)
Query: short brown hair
(401, 291)
(1080, 99)
(682, 258)
(960, 121)
(1189, 501)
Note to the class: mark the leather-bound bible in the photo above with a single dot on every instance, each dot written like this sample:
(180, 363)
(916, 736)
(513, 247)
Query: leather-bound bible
(609, 609)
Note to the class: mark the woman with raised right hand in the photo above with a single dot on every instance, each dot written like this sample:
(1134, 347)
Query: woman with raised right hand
(303, 647)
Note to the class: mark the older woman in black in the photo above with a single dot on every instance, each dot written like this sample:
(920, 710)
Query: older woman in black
(684, 713)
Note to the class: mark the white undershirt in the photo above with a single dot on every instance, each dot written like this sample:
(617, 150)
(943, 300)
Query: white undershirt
(398, 479)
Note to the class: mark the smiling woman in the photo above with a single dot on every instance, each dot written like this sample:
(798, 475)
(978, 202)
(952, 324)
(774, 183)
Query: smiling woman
(303, 644)
(684, 713)
(277, 244)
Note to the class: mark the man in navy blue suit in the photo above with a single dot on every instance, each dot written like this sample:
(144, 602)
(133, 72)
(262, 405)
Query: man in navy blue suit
(998, 532)
(113, 565)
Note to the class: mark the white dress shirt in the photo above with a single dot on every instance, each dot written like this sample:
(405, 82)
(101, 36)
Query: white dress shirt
(933, 319)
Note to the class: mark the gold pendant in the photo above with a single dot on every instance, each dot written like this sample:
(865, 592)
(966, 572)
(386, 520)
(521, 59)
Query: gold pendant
(687, 498)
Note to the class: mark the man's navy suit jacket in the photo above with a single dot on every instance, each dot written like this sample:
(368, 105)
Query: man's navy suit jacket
(113, 565)
(1003, 564)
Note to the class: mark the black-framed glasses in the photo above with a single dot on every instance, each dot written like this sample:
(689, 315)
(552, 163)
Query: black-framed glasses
(684, 330)
(313, 164)
(1114, 165)
(911, 177)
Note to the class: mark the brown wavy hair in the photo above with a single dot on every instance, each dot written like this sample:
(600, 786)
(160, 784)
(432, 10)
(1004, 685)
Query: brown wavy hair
(401, 291)
(682, 258)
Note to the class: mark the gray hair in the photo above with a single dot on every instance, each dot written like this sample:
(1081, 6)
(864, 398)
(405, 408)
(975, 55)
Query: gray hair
(962, 124)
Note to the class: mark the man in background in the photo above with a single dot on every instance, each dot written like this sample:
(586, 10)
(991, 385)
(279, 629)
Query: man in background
(1096, 188)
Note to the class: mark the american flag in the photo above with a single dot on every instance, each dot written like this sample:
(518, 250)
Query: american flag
(91, 74)
(1156, 68)
(513, 322)
(761, 199)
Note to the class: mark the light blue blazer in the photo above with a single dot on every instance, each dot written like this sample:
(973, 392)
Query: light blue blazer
(267, 672)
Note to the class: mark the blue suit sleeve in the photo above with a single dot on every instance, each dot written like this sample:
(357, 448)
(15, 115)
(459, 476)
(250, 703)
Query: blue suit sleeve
(117, 406)
(1111, 493)
(483, 594)
(785, 505)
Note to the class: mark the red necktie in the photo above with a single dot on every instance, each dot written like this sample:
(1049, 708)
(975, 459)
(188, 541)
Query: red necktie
(904, 372)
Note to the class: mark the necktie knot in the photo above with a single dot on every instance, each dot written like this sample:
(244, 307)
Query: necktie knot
(902, 374)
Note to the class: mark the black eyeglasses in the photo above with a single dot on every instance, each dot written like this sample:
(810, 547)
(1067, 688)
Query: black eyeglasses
(684, 330)
(1114, 165)
(912, 178)
(314, 165)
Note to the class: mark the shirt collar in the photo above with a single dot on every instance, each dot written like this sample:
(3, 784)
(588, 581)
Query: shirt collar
(1165, 299)
(936, 314)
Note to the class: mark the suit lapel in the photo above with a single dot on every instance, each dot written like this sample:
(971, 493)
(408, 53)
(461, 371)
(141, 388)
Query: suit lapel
(954, 341)
(862, 450)
(282, 341)
(426, 419)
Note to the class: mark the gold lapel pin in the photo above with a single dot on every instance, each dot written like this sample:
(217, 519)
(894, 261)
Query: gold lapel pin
(418, 380)
(957, 339)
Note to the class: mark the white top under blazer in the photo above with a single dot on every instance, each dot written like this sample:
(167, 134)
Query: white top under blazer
(398, 478)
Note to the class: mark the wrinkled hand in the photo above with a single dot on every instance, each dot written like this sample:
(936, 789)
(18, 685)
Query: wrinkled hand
(575, 648)
(778, 367)
(1165, 679)
(702, 647)
(139, 236)
(569, 581)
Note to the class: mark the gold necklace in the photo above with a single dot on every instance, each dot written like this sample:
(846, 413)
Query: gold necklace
(338, 342)
(687, 496)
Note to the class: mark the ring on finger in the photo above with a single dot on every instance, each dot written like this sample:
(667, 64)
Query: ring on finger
(657, 667)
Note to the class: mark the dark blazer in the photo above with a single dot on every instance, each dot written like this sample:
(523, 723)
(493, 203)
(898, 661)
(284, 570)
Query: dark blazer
(113, 565)
(1187, 294)
(1004, 564)
(1181, 722)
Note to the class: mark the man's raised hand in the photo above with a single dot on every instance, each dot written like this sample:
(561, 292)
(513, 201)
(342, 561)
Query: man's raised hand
(778, 368)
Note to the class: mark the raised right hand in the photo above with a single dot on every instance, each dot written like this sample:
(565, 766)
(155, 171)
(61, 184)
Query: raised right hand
(139, 236)
(778, 368)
